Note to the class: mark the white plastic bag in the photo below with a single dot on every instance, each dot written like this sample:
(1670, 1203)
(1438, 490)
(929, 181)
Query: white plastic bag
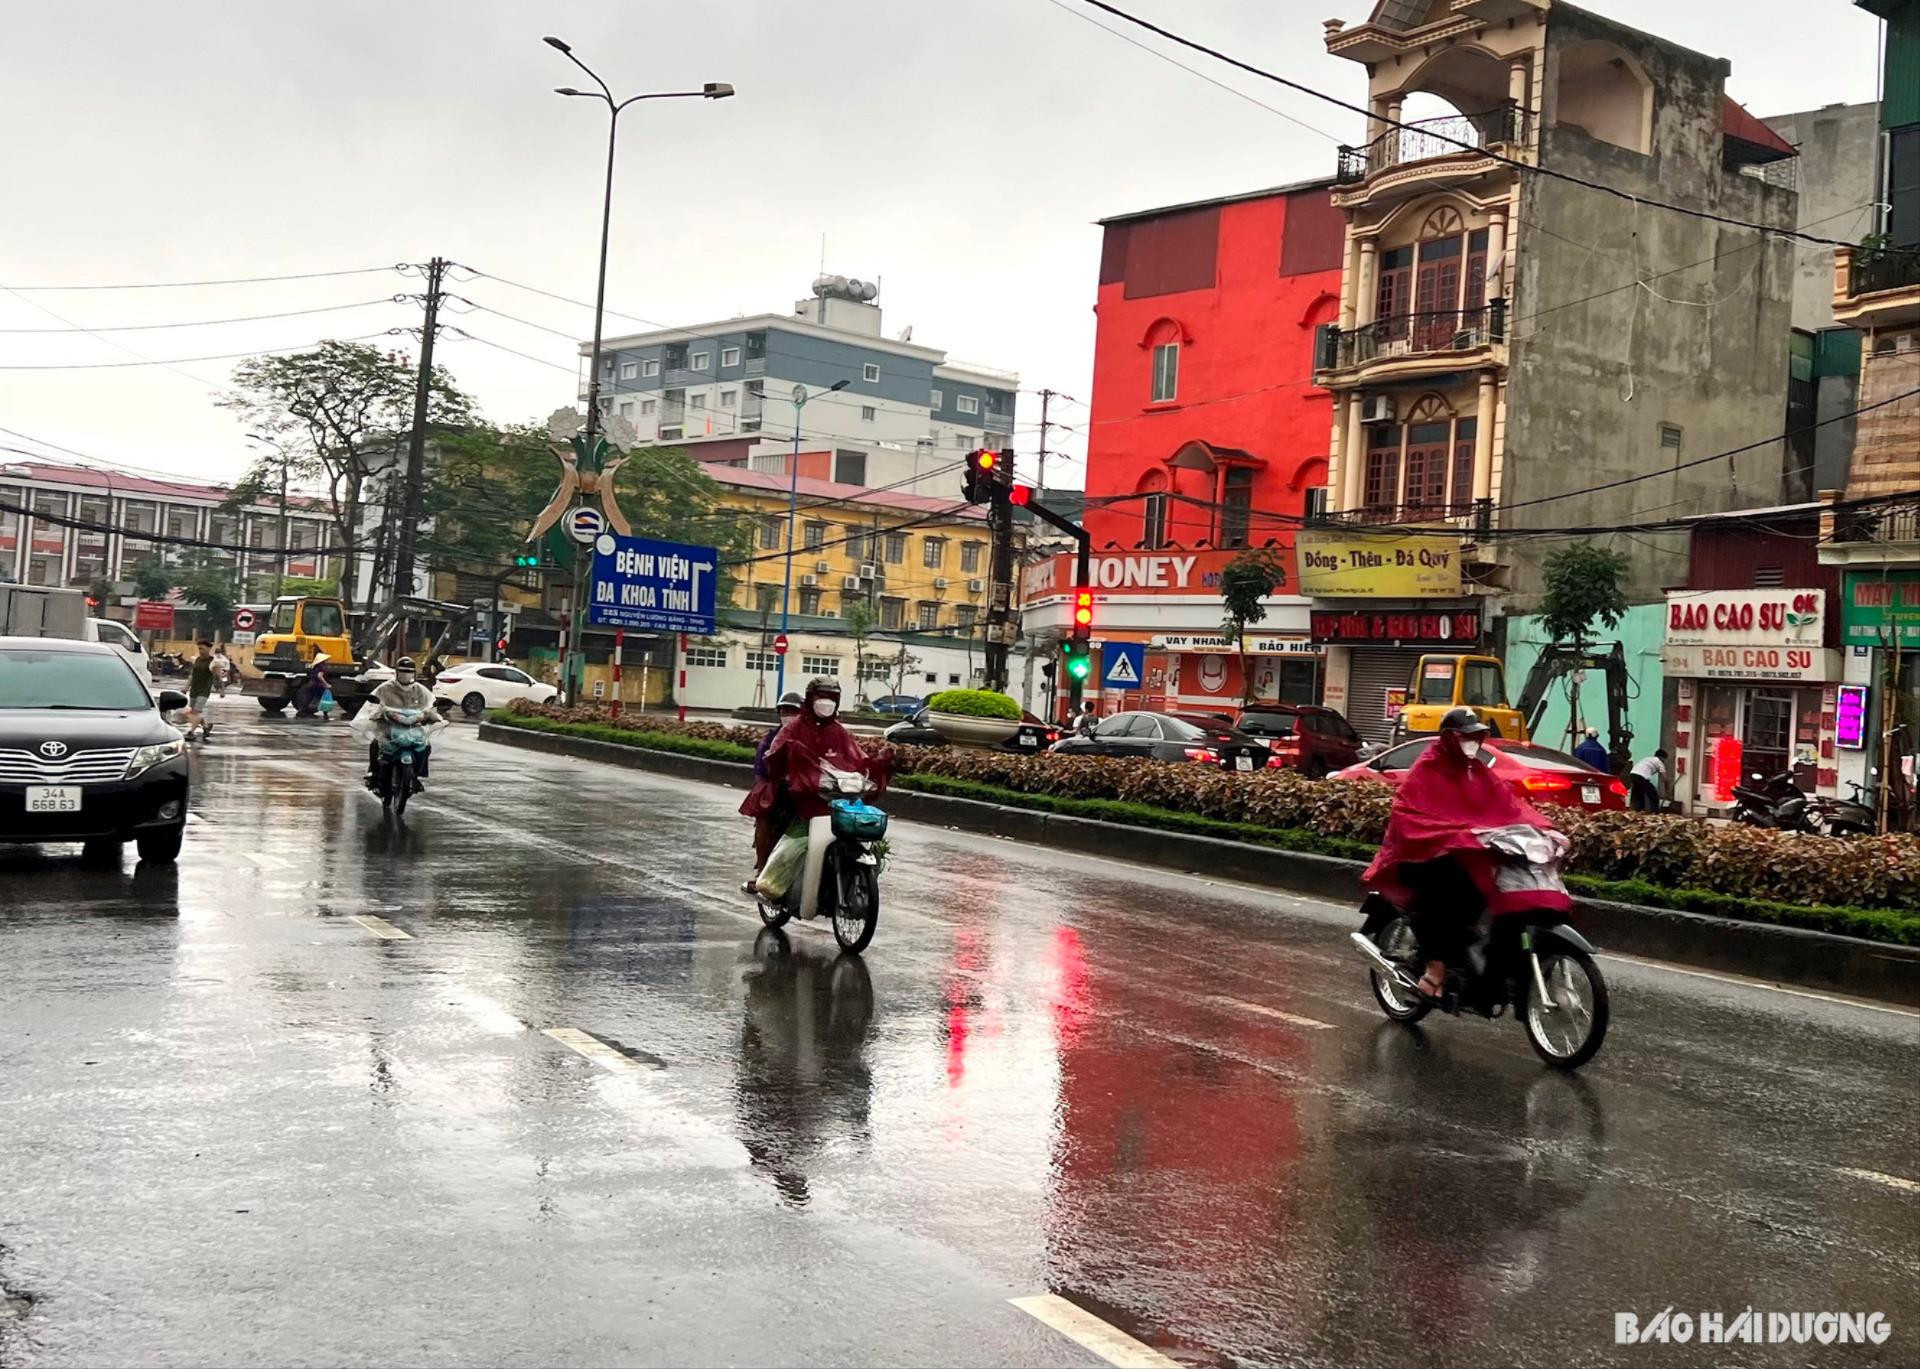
(784, 864)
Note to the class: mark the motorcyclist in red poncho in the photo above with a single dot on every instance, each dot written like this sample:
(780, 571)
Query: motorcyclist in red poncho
(1431, 863)
(816, 738)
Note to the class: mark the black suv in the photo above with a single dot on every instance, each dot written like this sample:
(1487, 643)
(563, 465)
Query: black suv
(86, 753)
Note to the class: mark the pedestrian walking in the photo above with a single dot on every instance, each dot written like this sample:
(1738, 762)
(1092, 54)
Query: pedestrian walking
(200, 680)
(1643, 784)
(1592, 752)
(223, 670)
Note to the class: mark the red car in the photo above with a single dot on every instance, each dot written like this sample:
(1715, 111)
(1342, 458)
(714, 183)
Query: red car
(1538, 774)
(1306, 737)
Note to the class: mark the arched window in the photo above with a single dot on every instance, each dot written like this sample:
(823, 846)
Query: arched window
(1432, 289)
(1153, 509)
(1163, 343)
(1422, 466)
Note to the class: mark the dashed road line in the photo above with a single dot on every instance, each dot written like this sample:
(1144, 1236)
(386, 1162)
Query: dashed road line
(1875, 1176)
(381, 928)
(1084, 1329)
(598, 1051)
(1293, 1019)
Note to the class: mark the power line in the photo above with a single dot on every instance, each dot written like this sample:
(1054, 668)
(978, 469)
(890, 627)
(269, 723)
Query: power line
(191, 284)
(171, 361)
(1514, 162)
(212, 322)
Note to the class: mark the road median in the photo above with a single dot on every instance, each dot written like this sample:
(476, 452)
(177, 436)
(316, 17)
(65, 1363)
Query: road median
(1789, 955)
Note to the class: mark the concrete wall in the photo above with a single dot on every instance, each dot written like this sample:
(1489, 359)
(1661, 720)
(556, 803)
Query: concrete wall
(1592, 382)
(1837, 172)
(1642, 630)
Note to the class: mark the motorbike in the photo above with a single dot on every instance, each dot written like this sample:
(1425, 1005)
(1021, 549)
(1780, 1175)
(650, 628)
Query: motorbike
(1531, 960)
(169, 663)
(1771, 801)
(839, 874)
(1854, 817)
(403, 750)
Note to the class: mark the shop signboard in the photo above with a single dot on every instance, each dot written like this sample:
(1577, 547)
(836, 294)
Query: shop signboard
(1139, 573)
(1353, 565)
(1746, 617)
(1876, 605)
(1850, 718)
(1799, 664)
(1256, 645)
(1450, 627)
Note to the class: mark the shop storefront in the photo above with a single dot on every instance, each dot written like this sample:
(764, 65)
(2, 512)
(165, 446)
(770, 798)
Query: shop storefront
(1756, 691)
(1880, 636)
(1375, 649)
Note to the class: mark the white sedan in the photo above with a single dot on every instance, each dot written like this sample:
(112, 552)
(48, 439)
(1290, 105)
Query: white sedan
(475, 687)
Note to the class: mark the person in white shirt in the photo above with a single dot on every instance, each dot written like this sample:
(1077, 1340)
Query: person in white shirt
(1644, 782)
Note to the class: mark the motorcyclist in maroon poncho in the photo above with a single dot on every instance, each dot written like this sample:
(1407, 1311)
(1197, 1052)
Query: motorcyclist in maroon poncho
(815, 739)
(1431, 862)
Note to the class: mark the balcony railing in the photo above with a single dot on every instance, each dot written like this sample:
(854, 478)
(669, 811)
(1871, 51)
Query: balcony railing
(1893, 523)
(1472, 515)
(1407, 335)
(1876, 269)
(1417, 142)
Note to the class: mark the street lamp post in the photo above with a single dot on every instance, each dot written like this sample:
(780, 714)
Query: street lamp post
(800, 398)
(712, 90)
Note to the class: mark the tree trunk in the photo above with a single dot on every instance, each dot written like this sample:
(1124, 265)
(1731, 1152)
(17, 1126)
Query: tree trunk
(347, 516)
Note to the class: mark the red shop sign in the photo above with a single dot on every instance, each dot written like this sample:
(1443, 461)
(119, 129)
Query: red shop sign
(1413, 627)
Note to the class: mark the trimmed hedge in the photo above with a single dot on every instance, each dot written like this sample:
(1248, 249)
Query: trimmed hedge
(1862, 886)
(974, 703)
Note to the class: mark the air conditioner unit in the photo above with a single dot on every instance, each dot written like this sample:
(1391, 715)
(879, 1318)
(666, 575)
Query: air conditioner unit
(809, 580)
(821, 567)
(1377, 409)
(940, 582)
(849, 582)
(867, 571)
(975, 586)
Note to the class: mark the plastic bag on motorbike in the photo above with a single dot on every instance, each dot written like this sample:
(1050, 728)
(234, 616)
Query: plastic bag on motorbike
(857, 819)
(785, 864)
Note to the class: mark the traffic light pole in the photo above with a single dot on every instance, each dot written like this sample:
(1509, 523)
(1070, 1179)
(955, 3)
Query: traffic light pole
(1082, 576)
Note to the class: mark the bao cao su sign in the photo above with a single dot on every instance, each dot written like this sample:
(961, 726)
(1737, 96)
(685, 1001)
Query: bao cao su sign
(1763, 634)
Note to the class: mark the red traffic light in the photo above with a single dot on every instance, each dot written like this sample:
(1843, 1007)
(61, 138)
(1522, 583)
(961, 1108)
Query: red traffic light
(1082, 609)
(1020, 494)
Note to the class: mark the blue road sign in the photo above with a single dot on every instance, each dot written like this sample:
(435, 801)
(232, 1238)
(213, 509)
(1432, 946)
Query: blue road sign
(1122, 664)
(661, 586)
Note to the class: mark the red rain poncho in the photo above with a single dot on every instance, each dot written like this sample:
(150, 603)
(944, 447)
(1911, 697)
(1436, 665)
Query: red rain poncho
(795, 759)
(1442, 802)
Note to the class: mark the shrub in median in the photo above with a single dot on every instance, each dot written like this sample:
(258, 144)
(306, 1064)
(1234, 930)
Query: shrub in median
(974, 703)
(1682, 856)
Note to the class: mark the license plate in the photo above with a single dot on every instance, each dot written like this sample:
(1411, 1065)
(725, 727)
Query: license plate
(53, 798)
(1589, 793)
(1028, 739)
(1243, 762)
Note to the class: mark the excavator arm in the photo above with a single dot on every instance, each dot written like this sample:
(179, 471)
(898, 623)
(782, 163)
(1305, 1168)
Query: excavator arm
(376, 630)
(1560, 659)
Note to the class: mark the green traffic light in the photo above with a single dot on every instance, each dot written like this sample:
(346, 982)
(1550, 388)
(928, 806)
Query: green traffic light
(1079, 667)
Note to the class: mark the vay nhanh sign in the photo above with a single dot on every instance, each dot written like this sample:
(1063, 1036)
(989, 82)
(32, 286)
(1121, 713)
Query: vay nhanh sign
(656, 586)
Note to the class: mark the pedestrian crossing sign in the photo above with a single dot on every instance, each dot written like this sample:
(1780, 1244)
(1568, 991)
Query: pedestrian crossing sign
(1125, 662)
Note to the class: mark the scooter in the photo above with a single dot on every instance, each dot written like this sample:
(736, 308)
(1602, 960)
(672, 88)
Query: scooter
(840, 874)
(1771, 801)
(1530, 960)
(1854, 817)
(403, 754)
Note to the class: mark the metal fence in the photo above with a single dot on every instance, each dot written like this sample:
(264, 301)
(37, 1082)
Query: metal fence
(1426, 138)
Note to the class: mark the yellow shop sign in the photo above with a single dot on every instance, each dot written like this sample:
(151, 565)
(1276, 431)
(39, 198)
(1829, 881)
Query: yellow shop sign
(1350, 565)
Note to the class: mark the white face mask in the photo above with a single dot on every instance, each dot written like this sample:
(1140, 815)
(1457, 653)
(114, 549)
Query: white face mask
(404, 677)
(1470, 749)
(824, 708)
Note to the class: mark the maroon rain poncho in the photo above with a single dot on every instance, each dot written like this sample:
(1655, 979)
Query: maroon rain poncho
(1444, 800)
(804, 746)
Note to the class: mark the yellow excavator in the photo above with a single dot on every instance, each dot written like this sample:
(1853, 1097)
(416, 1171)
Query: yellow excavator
(1441, 682)
(306, 631)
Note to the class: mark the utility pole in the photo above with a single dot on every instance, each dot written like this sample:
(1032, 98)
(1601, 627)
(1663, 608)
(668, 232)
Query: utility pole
(1041, 477)
(417, 439)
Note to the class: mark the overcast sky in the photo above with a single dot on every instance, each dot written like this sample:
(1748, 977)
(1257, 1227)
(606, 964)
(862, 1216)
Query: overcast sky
(957, 151)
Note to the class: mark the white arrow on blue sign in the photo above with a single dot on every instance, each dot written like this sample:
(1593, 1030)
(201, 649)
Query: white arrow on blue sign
(655, 586)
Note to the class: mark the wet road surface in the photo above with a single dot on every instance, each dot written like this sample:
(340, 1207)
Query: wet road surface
(521, 1081)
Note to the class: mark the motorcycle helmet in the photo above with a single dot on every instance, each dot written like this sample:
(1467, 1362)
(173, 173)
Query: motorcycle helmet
(823, 699)
(1464, 721)
(791, 702)
(403, 670)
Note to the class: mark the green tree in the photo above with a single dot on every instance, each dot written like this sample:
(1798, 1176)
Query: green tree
(338, 415)
(861, 621)
(152, 579)
(1581, 586)
(1245, 584)
(209, 587)
(314, 586)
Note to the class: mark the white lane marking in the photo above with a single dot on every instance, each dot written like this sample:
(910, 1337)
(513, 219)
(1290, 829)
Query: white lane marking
(1275, 1013)
(1875, 1176)
(382, 928)
(1739, 982)
(264, 861)
(1084, 1329)
(596, 1050)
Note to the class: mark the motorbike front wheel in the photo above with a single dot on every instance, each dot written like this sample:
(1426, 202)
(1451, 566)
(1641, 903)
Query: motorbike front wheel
(1398, 944)
(856, 912)
(1567, 1027)
(401, 785)
(773, 913)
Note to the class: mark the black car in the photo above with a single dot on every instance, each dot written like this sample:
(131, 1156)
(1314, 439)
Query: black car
(86, 753)
(1033, 737)
(1208, 738)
